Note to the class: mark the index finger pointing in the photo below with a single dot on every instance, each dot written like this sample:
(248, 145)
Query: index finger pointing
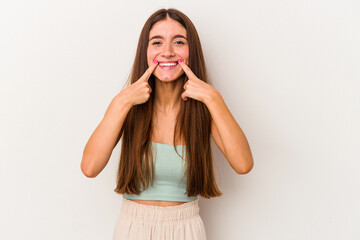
(187, 70)
(149, 71)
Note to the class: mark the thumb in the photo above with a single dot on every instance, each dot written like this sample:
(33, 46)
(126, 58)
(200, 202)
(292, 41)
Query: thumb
(183, 96)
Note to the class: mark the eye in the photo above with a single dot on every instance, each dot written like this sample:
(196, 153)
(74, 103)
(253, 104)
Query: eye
(156, 43)
(179, 42)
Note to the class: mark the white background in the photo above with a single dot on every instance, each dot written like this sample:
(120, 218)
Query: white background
(287, 70)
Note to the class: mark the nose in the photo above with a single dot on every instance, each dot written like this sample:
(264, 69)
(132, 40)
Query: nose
(168, 51)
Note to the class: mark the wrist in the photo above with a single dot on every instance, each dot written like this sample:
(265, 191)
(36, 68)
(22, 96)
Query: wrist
(212, 97)
(123, 99)
(119, 106)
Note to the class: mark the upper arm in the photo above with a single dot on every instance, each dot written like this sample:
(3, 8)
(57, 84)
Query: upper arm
(216, 137)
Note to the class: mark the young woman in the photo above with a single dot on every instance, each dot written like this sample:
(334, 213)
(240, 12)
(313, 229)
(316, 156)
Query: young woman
(169, 108)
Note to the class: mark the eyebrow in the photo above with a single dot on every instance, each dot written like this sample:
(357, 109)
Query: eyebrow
(158, 36)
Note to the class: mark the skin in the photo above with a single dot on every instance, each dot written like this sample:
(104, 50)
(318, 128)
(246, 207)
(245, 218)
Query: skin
(225, 131)
(166, 45)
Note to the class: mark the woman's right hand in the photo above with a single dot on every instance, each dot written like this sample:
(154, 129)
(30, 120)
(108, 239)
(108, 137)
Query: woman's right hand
(139, 91)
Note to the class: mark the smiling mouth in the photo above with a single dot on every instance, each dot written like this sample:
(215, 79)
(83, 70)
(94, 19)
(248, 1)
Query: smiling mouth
(168, 64)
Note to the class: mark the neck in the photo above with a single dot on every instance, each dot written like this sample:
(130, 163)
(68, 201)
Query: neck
(167, 94)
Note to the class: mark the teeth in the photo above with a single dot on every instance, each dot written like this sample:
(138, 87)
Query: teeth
(167, 64)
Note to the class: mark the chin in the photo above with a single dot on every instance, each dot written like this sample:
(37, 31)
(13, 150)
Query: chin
(167, 78)
(168, 75)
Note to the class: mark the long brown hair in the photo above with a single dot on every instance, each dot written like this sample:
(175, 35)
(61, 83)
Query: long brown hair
(193, 123)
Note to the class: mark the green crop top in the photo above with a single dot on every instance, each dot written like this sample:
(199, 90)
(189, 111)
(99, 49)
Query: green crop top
(170, 178)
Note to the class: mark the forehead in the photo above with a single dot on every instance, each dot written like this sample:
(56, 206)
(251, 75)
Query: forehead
(167, 28)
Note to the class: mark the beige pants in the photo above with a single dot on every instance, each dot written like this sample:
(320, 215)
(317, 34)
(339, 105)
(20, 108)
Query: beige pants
(146, 222)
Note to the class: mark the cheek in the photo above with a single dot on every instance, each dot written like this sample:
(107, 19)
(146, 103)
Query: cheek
(184, 54)
(151, 54)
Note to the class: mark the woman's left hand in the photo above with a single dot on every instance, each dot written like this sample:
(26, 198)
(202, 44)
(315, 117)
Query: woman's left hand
(196, 88)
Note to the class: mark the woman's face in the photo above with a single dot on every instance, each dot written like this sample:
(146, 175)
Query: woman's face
(167, 43)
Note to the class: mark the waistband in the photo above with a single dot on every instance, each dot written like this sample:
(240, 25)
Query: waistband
(150, 213)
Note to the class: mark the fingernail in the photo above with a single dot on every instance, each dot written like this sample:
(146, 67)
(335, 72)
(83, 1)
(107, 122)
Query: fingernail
(179, 60)
(156, 61)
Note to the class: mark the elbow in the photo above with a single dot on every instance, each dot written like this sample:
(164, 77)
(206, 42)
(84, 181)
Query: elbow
(87, 173)
(86, 170)
(246, 169)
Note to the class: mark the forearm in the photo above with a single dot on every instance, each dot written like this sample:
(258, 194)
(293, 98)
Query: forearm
(236, 147)
(99, 148)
